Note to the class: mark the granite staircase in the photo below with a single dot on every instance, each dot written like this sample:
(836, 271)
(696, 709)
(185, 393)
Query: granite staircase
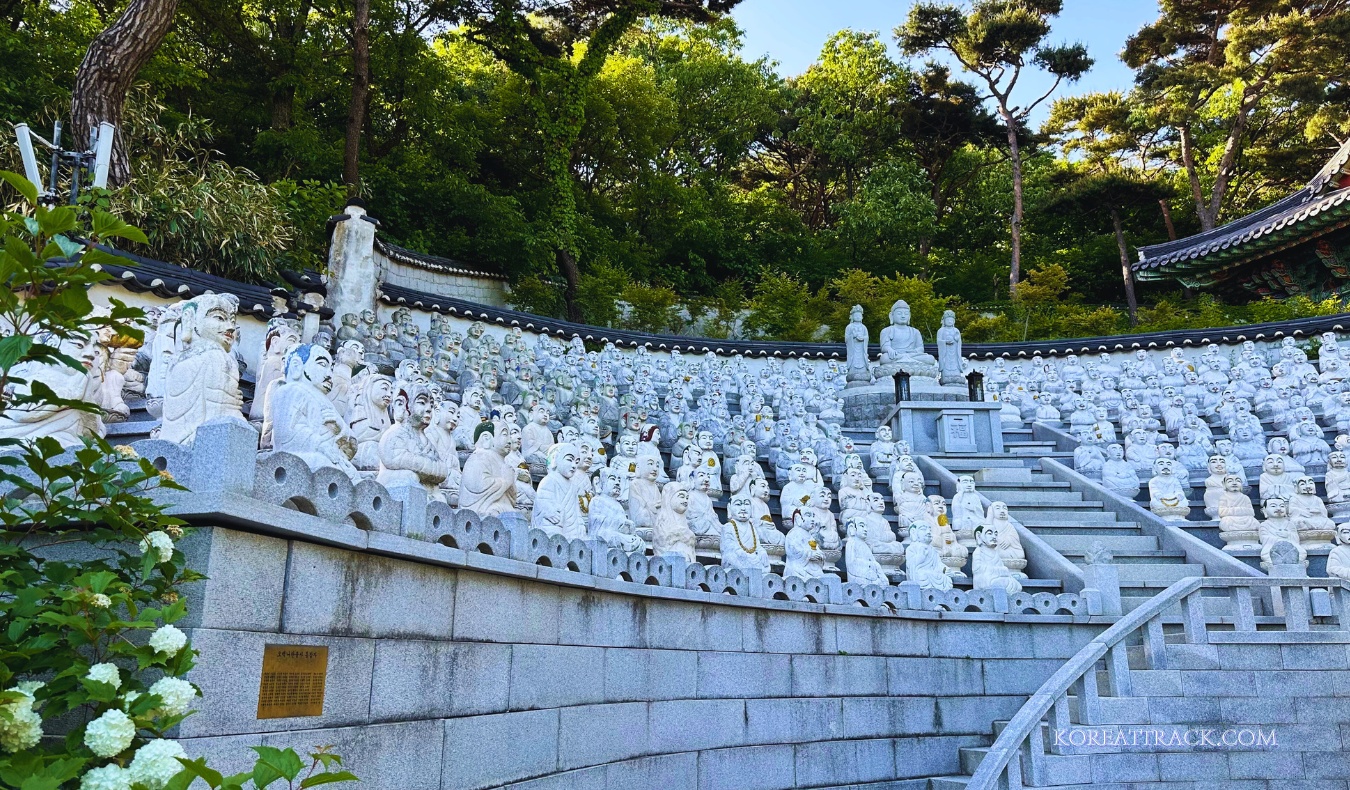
(1240, 707)
(1066, 520)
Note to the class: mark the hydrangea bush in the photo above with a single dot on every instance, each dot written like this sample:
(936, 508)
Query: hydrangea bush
(91, 664)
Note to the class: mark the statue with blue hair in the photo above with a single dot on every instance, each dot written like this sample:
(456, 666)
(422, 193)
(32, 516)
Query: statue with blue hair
(302, 420)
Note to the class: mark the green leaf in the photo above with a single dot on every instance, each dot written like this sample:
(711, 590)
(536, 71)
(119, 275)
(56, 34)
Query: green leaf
(199, 768)
(274, 763)
(328, 778)
(22, 185)
(13, 349)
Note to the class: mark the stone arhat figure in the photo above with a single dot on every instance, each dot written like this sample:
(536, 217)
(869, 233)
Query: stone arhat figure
(557, 510)
(987, 565)
(302, 420)
(923, 565)
(741, 547)
(859, 562)
(407, 456)
(202, 381)
(67, 426)
(671, 534)
(608, 518)
(487, 485)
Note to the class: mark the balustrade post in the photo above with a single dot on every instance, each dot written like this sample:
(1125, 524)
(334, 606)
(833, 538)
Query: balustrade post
(1296, 615)
(1193, 618)
(1118, 670)
(1155, 643)
(1244, 615)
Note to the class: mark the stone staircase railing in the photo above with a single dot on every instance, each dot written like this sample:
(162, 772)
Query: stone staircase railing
(1019, 754)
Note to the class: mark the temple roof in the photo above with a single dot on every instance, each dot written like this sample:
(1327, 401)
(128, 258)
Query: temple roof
(1319, 207)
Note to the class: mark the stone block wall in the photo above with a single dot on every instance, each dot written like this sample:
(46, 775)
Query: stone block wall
(442, 675)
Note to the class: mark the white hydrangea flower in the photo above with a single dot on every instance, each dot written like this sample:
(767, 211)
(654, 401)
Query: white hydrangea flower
(129, 698)
(22, 729)
(106, 673)
(168, 639)
(175, 695)
(108, 777)
(110, 734)
(160, 542)
(29, 687)
(155, 764)
(100, 601)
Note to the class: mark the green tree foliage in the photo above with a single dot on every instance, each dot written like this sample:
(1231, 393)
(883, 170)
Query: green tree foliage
(636, 137)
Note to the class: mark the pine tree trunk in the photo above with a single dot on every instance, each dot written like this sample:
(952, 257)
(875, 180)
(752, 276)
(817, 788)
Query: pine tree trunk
(109, 67)
(356, 113)
(1015, 158)
(1125, 268)
(1167, 218)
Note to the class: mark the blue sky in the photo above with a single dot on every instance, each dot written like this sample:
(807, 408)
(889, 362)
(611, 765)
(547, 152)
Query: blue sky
(793, 31)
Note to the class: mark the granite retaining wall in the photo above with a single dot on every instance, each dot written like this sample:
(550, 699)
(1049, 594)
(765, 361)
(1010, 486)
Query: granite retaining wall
(442, 675)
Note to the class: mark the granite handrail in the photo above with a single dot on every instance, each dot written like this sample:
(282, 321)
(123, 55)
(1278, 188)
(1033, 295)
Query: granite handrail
(1023, 733)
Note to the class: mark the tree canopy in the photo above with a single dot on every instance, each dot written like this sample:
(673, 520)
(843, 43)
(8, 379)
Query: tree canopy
(624, 162)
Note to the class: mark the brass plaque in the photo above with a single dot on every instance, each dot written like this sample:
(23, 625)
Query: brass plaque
(293, 678)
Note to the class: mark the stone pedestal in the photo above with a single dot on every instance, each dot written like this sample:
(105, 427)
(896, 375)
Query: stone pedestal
(933, 427)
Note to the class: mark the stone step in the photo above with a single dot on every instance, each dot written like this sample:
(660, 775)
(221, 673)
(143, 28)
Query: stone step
(956, 463)
(1134, 557)
(971, 757)
(1165, 572)
(1049, 504)
(1072, 528)
(1079, 543)
(948, 783)
(1047, 484)
(1041, 499)
(1087, 519)
(994, 475)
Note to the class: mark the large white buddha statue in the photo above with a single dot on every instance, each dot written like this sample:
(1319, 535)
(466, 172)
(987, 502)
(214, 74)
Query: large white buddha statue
(67, 426)
(902, 347)
(202, 381)
(302, 420)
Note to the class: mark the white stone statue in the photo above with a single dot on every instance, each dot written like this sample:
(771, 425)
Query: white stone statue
(944, 538)
(280, 339)
(487, 485)
(902, 347)
(796, 491)
(370, 417)
(1337, 480)
(883, 454)
(949, 351)
(607, 517)
(536, 438)
(922, 562)
(1279, 528)
(967, 511)
(1167, 497)
(351, 356)
(1309, 515)
(859, 562)
(644, 497)
(557, 510)
(302, 420)
(910, 503)
(67, 426)
(805, 560)
(114, 365)
(407, 457)
(741, 548)
(671, 534)
(1214, 486)
(441, 432)
(855, 348)
(1119, 475)
(1276, 480)
(202, 381)
(1238, 526)
(1009, 542)
(1338, 561)
(988, 569)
